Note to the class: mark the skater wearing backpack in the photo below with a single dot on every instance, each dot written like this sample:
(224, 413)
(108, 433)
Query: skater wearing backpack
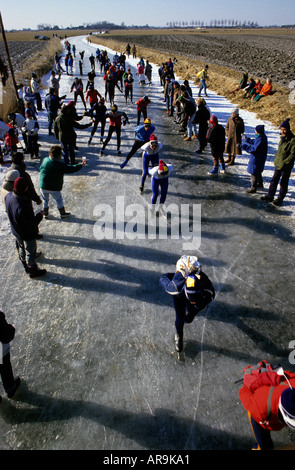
(268, 395)
(191, 290)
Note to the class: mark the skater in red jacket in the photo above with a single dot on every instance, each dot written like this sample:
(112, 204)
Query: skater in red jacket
(268, 394)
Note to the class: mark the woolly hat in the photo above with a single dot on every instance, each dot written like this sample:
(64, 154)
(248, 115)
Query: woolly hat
(286, 124)
(287, 406)
(235, 111)
(213, 120)
(260, 129)
(162, 168)
(153, 138)
(11, 176)
(20, 185)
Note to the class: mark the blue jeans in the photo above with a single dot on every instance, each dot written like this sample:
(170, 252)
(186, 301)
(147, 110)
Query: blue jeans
(191, 127)
(45, 193)
(203, 87)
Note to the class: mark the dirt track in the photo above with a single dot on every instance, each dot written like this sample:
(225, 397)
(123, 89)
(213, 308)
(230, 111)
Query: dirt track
(262, 54)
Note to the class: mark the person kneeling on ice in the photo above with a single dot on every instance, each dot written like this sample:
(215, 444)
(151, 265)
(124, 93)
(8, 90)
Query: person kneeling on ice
(160, 175)
(268, 396)
(191, 290)
(150, 155)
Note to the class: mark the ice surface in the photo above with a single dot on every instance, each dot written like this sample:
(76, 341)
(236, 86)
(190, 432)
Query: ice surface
(94, 337)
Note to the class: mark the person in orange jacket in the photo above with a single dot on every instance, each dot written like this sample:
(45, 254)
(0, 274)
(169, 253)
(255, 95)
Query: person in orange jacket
(141, 106)
(268, 395)
(265, 90)
(92, 95)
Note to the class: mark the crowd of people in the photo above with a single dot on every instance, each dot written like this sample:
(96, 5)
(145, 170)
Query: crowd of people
(191, 289)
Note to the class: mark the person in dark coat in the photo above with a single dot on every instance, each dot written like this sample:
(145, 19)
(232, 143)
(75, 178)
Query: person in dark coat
(284, 162)
(201, 118)
(234, 129)
(216, 139)
(52, 105)
(191, 290)
(7, 332)
(24, 226)
(64, 126)
(258, 152)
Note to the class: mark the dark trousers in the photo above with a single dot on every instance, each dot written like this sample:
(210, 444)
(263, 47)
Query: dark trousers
(96, 122)
(262, 436)
(256, 181)
(7, 373)
(113, 129)
(139, 113)
(69, 151)
(283, 175)
(137, 144)
(185, 313)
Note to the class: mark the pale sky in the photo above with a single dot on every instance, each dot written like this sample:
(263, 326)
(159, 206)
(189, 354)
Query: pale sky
(19, 14)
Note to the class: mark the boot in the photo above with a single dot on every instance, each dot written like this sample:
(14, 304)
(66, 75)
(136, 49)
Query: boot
(64, 214)
(222, 169)
(178, 342)
(187, 139)
(141, 188)
(34, 271)
(214, 171)
(228, 159)
(89, 141)
(46, 212)
(25, 266)
(232, 161)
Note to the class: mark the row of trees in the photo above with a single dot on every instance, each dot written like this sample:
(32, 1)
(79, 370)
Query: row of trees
(212, 24)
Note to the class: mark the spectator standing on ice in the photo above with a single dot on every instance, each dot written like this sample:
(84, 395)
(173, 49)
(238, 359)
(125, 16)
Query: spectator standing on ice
(201, 118)
(54, 82)
(191, 290)
(8, 184)
(35, 88)
(284, 162)
(7, 333)
(142, 136)
(216, 139)
(64, 132)
(24, 226)
(258, 152)
(234, 129)
(31, 128)
(18, 163)
(52, 173)
(52, 105)
(150, 156)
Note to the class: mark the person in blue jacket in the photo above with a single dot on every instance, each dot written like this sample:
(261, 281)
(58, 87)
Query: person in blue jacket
(191, 290)
(142, 136)
(258, 152)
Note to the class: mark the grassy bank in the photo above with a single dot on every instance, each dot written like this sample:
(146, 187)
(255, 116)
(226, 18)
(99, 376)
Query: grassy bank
(41, 63)
(275, 108)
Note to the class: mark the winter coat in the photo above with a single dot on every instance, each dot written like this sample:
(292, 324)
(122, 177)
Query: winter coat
(216, 139)
(266, 89)
(142, 134)
(52, 104)
(202, 117)
(256, 402)
(174, 284)
(64, 128)
(258, 152)
(31, 192)
(24, 223)
(6, 188)
(286, 152)
(52, 173)
(234, 129)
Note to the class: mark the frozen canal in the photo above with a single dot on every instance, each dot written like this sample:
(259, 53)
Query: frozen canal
(94, 341)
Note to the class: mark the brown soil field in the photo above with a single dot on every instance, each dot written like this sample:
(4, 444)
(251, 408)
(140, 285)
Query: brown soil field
(262, 53)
